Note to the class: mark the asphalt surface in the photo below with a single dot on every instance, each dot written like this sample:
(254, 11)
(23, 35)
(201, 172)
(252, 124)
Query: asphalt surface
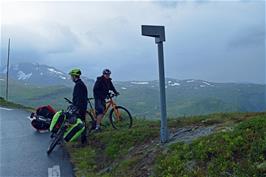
(23, 150)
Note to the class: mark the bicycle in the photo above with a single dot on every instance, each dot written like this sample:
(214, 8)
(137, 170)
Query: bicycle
(119, 116)
(68, 118)
(57, 138)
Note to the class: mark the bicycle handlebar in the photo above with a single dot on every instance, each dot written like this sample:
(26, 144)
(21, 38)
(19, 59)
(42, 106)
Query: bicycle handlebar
(111, 95)
(67, 100)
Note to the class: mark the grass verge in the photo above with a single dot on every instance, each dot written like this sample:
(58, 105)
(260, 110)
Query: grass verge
(9, 104)
(238, 151)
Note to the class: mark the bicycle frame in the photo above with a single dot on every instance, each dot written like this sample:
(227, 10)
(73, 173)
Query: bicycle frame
(109, 104)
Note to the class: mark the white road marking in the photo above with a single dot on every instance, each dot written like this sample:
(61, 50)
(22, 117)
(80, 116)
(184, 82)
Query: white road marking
(54, 171)
(6, 109)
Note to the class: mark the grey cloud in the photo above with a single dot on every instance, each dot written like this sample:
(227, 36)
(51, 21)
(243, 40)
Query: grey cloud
(197, 41)
(67, 41)
(91, 36)
(249, 37)
(168, 4)
(176, 3)
(27, 43)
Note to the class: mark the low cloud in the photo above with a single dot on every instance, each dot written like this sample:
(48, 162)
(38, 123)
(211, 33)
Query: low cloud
(250, 37)
(201, 38)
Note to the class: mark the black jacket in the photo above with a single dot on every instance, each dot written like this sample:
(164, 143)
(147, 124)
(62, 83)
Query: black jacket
(102, 86)
(80, 95)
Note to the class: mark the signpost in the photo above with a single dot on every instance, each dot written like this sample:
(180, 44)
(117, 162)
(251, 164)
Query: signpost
(159, 34)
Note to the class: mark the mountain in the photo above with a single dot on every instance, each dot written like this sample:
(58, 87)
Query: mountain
(192, 97)
(184, 97)
(41, 75)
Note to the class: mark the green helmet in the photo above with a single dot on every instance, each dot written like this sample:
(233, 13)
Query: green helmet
(75, 72)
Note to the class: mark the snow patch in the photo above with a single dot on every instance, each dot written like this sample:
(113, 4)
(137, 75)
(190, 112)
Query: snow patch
(62, 77)
(174, 84)
(140, 83)
(207, 83)
(190, 81)
(54, 71)
(169, 82)
(22, 76)
(202, 86)
(123, 88)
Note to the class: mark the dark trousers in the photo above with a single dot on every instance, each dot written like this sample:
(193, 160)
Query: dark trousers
(82, 116)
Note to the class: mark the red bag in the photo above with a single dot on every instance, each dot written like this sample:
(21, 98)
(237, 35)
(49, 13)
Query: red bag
(41, 120)
(45, 111)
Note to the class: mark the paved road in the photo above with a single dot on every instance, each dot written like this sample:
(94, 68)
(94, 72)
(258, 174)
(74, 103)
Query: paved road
(23, 150)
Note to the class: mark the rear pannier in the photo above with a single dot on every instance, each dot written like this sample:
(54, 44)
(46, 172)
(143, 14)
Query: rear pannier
(57, 122)
(74, 131)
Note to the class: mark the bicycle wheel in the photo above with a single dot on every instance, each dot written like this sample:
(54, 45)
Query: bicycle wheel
(55, 141)
(120, 118)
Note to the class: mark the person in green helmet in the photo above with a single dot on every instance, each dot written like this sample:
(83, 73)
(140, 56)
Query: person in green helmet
(79, 99)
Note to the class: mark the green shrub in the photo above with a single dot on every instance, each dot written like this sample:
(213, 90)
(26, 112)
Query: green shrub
(241, 152)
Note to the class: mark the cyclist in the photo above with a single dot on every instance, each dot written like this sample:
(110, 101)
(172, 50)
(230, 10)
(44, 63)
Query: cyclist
(101, 90)
(80, 95)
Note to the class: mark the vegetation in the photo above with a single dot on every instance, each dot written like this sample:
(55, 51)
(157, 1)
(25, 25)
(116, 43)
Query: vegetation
(34, 96)
(240, 152)
(237, 147)
(8, 104)
(143, 100)
(109, 147)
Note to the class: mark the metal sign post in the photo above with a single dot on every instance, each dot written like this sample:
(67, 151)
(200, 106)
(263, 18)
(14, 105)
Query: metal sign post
(159, 34)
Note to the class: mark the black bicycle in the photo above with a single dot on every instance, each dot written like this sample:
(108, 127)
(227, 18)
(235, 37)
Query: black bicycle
(57, 138)
(64, 120)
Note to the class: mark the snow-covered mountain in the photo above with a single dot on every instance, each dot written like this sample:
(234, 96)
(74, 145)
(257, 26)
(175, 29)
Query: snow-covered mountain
(169, 84)
(184, 97)
(42, 75)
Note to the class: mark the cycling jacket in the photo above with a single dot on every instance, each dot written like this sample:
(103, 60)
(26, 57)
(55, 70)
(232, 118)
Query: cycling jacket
(80, 95)
(102, 86)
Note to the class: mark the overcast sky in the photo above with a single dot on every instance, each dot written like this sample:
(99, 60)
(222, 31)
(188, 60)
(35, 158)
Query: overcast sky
(215, 41)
